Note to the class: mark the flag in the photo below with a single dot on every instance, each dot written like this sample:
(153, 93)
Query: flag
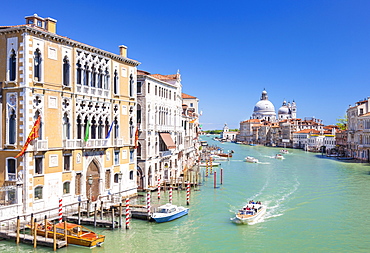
(33, 135)
(193, 121)
(87, 131)
(136, 137)
(110, 130)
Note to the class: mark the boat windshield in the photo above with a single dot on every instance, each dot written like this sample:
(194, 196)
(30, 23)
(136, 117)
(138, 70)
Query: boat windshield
(163, 210)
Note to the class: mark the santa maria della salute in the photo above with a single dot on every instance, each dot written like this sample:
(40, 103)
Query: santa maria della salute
(265, 110)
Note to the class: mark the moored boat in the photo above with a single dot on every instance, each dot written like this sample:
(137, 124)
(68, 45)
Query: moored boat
(203, 164)
(218, 158)
(251, 159)
(169, 212)
(76, 234)
(249, 213)
(225, 154)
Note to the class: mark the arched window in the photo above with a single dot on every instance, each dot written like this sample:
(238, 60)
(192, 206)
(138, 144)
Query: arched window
(100, 78)
(138, 113)
(66, 69)
(66, 188)
(79, 127)
(93, 77)
(106, 80)
(12, 127)
(38, 193)
(37, 65)
(78, 73)
(66, 127)
(86, 75)
(131, 175)
(11, 171)
(115, 83)
(138, 150)
(100, 128)
(86, 123)
(116, 128)
(12, 66)
(35, 117)
(93, 128)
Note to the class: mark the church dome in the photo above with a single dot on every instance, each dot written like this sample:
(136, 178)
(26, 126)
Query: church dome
(264, 106)
(284, 109)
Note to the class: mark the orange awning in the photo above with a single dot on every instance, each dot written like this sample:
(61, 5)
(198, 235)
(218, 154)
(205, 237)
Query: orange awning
(166, 137)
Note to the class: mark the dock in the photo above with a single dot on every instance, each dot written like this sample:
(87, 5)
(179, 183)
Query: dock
(90, 222)
(29, 239)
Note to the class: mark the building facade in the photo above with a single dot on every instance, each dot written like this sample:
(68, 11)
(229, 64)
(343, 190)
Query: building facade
(86, 101)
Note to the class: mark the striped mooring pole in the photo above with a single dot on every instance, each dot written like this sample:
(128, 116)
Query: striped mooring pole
(60, 211)
(148, 203)
(159, 188)
(170, 194)
(127, 213)
(188, 194)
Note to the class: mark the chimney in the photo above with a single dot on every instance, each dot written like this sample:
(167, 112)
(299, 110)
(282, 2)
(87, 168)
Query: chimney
(123, 51)
(51, 25)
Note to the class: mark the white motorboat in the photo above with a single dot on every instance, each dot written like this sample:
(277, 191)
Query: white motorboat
(250, 213)
(279, 156)
(218, 158)
(251, 159)
(284, 151)
(169, 212)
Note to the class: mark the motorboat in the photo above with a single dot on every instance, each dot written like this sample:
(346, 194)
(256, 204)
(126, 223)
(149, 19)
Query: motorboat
(249, 213)
(225, 154)
(279, 156)
(251, 159)
(218, 158)
(169, 212)
(284, 151)
(76, 234)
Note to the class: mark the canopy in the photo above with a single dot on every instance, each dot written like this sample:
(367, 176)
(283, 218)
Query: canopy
(166, 137)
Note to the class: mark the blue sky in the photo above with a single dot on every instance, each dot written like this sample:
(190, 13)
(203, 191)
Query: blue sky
(314, 52)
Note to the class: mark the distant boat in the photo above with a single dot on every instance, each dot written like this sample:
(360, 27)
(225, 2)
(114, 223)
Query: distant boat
(169, 212)
(284, 151)
(218, 158)
(252, 144)
(203, 164)
(279, 156)
(251, 159)
(226, 154)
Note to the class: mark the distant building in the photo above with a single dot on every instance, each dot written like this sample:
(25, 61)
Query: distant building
(228, 135)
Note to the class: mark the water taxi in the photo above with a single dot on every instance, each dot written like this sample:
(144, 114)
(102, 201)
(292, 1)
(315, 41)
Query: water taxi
(249, 213)
(169, 212)
(279, 156)
(251, 159)
(284, 151)
(76, 234)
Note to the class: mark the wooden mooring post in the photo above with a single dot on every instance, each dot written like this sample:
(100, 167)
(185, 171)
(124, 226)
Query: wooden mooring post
(18, 229)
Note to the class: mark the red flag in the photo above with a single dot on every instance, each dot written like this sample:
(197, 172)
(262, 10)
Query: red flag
(136, 137)
(33, 135)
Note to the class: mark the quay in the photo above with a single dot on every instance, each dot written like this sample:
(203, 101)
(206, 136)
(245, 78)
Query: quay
(30, 239)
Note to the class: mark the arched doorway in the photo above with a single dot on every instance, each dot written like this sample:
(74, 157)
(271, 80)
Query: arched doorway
(139, 178)
(93, 191)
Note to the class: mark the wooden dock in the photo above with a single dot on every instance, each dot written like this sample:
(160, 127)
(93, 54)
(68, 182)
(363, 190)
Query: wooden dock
(29, 239)
(90, 222)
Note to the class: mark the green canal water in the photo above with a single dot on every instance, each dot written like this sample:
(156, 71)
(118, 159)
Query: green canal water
(315, 204)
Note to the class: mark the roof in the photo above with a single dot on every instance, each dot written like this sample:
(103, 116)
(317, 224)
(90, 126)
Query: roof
(308, 131)
(166, 77)
(187, 96)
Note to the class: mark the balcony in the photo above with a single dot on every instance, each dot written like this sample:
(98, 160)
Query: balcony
(40, 145)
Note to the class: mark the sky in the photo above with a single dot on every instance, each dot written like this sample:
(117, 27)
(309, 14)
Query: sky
(315, 52)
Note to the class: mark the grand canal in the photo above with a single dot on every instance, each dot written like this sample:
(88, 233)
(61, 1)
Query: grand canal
(315, 204)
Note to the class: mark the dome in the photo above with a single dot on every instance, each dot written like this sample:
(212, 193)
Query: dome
(283, 110)
(264, 106)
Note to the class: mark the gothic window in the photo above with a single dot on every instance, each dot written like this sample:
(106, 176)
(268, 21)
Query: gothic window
(106, 80)
(107, 179)
(38, 192)
(79, 73)
(66, 70)
(11, 172)
(37, 65)
(116, 178)
(100, 128)
(138, 151)
(66, 188)
(12, 66)
(116, 128)
(12, 127)
(93, 128)
(131, 128)
(35, 117)
(66, 127)
(86, 75)
(100, 78)
(106, 127)
(86, 122)
(115, 83)
(116, 157)
(93, 77)
(138, 113)
(79, 127)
